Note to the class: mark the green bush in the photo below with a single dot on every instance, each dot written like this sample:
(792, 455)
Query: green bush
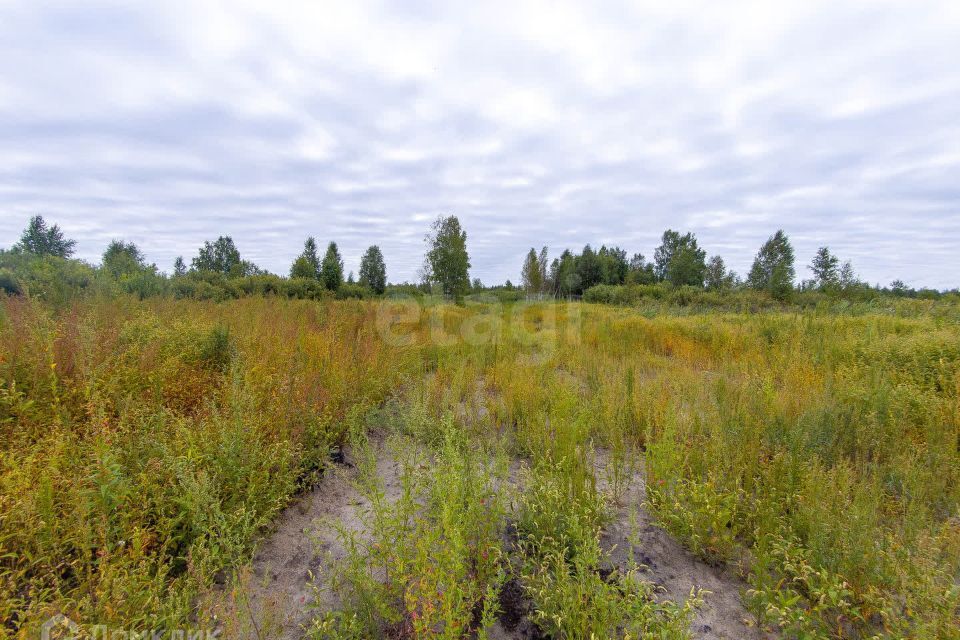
(9, 283)
(356, 291)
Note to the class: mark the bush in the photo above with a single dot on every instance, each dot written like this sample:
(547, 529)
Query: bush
(356, 291)
(9, 283)
(56, 280)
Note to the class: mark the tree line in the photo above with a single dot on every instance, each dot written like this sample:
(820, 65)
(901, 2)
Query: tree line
(678, 261)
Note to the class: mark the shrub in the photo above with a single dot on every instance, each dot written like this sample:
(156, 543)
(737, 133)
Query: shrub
(9, 283)
(347, 291)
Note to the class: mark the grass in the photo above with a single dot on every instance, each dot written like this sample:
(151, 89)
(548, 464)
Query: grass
(148, 443)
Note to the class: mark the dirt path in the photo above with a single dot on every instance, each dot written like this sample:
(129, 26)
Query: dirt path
(288, 577)
(279, 592)
(670, 566)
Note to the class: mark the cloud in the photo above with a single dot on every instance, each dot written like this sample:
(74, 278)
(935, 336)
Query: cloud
(544, 123)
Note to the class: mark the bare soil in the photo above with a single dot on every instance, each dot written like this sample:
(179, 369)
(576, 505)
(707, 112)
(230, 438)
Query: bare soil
(289, 578)
(288, 581)
(670, 566)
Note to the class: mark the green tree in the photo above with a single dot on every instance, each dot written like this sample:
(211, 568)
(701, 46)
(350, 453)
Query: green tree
(220, 256)
(447, 259)
(532, 274)
(848, 277)
(331, 268)
(613, 265)
(373, 270)
(307, 264)
(772, 269)
(639, 271)
(42, 240)
(179, 267)
(302, 268)
(825, 270)
(717, 277)
(123, 258)
(587, 269)
(679, 260)
(563, 274)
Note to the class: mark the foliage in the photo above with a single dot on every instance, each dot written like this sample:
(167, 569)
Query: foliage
(222, 256)
(351, 290)
(373, 270)
(53, 279)
(640, 271)
(825, 270)
(179, 267)
(561, 516)
(307, 264)
(331, 268)
(533, 275)
(679, 260)
(813, 446)
(447, 258)
(41, 240)
(772, 269)
(146, 443)
(716, 276)
(438, 546)
(123, 258)
(9, 283)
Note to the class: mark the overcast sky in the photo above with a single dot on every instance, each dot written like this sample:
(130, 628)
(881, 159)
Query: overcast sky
(168, 123)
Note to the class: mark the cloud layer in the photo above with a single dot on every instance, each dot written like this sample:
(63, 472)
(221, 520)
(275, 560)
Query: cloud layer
(537, 123)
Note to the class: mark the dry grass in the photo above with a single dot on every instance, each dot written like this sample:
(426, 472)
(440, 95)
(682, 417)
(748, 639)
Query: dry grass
(145, 444)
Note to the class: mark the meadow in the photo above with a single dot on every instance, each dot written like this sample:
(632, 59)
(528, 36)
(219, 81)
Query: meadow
(149, 445)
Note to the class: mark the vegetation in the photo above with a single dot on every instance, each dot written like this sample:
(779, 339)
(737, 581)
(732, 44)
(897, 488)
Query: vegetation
(154, 427)
(41, 240)
(373, 270)
(772, 269)
(447, 261)
(307, 264)
(331, 268)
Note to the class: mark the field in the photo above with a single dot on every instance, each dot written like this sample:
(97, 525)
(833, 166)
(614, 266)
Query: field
(151, 447)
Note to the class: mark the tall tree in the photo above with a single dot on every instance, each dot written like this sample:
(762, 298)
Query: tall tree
(531, 276)
(717, 277)
(220, 256)
(447, 258)
(679, 259)
(301, 268)
(848, 277)
(587, 269)
(123, 258)
(179, 267)
(825, 269)
(373, 270)
(307, 264)
(42, 240)
(331, 268)
(544, 268)
(613, 265)
(772, 269)
(563, 274)
(639, 271)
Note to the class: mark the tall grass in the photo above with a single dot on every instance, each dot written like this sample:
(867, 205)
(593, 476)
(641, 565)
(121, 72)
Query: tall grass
(145, 445)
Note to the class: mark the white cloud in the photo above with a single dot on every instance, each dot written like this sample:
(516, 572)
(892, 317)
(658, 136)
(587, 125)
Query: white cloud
(555, 123)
